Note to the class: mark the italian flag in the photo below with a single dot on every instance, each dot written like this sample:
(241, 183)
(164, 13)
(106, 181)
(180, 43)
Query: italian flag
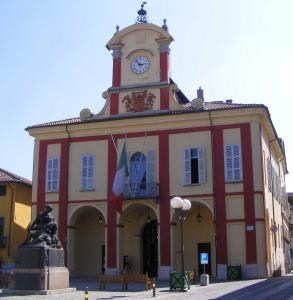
(117, 192)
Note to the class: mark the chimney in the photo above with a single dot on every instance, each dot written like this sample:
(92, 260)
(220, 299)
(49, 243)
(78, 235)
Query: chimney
(200, 93)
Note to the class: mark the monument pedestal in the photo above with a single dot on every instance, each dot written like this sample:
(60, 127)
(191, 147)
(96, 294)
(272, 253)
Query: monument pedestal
(40, 268)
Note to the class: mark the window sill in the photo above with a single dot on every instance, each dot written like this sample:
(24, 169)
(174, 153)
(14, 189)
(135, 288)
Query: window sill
(52, 192)
(87, 190)
(234, 181)
(193, 184)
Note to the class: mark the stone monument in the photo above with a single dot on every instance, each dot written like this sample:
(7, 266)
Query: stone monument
(40, 258)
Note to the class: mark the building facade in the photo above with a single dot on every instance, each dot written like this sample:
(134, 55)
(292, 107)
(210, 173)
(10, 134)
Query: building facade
(226, 158)
(15, 213)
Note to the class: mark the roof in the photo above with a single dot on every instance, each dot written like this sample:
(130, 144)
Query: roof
(9, 177)
(208, 106)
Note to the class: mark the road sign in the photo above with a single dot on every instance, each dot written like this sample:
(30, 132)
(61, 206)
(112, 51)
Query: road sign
(204, 258)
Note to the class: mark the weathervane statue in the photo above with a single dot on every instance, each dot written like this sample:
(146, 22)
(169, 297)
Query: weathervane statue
(142, 14)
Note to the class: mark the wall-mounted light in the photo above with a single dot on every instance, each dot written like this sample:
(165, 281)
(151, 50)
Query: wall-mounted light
(100, 219)
(148, 217)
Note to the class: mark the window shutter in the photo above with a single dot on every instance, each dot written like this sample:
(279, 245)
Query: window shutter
(91, 172)
(53, 174)
(237, 162)
(49, 175)
(186, 166)
(151, 171)
(201, 165)
(228, 163)
(87, 172)
(151, 167)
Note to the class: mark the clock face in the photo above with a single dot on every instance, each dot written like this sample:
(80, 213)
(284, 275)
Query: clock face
(140, 64)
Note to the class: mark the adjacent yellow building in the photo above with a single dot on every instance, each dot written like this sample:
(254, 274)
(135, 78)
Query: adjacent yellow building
(15, 213)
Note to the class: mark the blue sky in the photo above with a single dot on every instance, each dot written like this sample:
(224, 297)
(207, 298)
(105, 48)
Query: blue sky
(53, 60)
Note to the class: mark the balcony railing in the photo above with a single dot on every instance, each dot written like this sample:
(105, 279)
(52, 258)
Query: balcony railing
(141, 190)
(3, 240)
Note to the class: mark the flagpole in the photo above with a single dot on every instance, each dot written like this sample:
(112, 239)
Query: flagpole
(114, 144)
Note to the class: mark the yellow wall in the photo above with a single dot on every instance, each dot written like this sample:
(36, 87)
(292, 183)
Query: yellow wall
(177, 143)
(100, 150)
(20, 218)
(236, 250)
(133, 42)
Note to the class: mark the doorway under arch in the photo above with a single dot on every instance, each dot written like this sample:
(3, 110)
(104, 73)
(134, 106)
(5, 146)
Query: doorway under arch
(199, 236)
(150, 248)
(87, 242)
(138, 241)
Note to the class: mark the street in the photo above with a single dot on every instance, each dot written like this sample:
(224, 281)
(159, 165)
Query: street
(273, 288)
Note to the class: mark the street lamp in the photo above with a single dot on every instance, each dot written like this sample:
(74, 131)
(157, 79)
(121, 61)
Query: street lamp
(181, 205)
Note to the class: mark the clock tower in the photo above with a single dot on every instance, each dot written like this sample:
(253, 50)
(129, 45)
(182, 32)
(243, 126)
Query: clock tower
(140, 82)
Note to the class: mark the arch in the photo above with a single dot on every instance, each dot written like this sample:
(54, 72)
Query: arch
(132, 223)
(86, 241)
(194, 202)
(75, 212)
(199, 236)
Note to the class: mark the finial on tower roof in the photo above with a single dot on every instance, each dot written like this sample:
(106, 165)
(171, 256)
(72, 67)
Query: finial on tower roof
(117, 28)
(142, 14)
(164, 26)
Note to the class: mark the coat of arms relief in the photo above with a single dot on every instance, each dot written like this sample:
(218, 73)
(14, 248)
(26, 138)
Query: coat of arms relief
(139, 101)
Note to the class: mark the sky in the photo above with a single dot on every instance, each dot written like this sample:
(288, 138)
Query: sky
(54, 63)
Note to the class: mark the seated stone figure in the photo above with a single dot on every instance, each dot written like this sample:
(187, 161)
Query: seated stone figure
(42, 232)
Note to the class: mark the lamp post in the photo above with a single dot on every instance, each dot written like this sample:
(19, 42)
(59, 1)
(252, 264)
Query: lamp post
(181, 205)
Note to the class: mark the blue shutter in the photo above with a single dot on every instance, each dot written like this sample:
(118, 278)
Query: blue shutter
(201, 165)
(151, 171)
(87, 172)
(186, 166)
(228, 163)
(237, 168)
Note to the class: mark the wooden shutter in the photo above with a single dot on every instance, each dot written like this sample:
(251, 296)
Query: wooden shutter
(233, 163)
(87, 172)
(52, 176)
(49, 175)
(201, 165)
(151, 167)
(228, 163)
(151, 171)
(55, 175)
(237, 168)
(186, 166)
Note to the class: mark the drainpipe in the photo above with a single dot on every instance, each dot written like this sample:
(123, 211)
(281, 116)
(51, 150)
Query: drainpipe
(65, 238)
(11, 217)
(273, 205)
(213, 181)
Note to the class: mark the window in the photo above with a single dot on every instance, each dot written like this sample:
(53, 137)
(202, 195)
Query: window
(233, 165)
(194, 165)
(142, 168)
(53, 170)
(87, 172)
(142, 175)
(2, 190)
(138, 170)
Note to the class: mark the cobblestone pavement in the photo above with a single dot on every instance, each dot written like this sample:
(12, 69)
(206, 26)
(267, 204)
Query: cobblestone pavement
(273, 289)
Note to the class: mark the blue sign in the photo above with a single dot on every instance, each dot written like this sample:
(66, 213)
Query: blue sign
(204, 258)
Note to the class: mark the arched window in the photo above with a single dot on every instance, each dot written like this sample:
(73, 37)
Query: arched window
(138, 171)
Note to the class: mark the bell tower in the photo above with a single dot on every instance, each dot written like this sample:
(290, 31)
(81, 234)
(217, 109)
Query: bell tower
(140, 81)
